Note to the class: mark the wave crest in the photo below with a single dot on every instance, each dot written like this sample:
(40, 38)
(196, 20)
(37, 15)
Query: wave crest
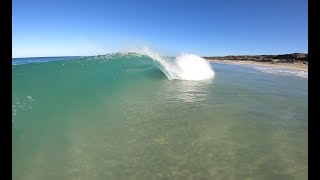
(183, 67)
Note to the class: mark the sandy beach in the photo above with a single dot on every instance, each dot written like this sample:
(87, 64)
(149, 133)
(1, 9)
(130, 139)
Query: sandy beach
(297, 66)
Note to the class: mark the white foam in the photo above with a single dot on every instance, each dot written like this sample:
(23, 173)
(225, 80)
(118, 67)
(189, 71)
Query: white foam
(183, 67)
(282, 71)
(192, 67)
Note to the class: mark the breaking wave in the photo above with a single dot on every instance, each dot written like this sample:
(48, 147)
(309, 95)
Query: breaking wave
(183, 67)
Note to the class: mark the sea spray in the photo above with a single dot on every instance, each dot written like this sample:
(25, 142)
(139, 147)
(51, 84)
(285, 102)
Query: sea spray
(183, 67)
(192, 67)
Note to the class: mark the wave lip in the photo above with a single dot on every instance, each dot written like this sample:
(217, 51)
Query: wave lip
(183, 67)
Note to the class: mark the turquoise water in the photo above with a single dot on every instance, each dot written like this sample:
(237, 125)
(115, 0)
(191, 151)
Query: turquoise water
(131, 116)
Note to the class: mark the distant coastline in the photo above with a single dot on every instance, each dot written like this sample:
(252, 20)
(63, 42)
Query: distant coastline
(292, 61)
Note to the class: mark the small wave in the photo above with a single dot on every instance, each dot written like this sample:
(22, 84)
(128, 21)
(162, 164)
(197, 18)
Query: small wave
(21, 61)
(282, 71)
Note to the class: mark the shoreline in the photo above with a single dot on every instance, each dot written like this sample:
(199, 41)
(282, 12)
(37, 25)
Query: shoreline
(296, 66)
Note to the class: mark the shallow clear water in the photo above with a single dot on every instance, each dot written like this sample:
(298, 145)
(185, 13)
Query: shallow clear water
(101, 119)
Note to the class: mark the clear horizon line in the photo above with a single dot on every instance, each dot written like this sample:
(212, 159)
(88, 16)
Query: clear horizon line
(167, 55)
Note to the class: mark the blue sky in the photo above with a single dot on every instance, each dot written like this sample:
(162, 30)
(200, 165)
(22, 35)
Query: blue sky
(202, 27)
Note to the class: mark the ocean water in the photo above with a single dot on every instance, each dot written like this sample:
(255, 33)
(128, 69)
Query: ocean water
(141, 116)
